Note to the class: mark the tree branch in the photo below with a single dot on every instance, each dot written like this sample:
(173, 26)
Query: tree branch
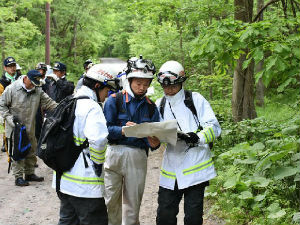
(263, 8)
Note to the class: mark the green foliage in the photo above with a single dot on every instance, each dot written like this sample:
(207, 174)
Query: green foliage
(258, 168)
(223, 42)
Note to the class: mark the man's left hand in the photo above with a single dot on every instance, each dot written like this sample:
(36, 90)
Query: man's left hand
(154, 142)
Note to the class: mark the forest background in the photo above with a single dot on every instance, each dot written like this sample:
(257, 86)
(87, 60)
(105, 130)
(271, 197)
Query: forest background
(242, 55)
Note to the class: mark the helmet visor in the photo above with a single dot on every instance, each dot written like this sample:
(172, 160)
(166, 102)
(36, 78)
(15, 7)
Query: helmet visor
(169, 78)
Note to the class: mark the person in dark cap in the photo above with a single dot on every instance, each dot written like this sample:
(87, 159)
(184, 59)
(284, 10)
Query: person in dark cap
(57, 86)
(9, 75)
(21, 100)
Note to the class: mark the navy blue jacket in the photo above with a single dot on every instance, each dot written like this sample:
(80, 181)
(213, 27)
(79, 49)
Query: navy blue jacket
(136, 110)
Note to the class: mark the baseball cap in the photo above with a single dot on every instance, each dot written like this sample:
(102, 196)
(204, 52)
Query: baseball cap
(35, 77)
(59, 66)
(9, 60)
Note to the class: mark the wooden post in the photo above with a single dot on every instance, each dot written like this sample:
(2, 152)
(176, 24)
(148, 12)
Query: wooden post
(47, 49)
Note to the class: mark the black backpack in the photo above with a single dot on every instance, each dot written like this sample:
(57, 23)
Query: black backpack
(56, 145)
(19, 143)
(189, 103)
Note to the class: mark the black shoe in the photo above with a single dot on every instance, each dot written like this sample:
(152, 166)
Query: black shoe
(3, 148)
(33, 177)
(21, 182)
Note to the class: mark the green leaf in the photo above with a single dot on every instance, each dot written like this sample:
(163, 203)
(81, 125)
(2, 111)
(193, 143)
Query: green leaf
(246, 63)
(246, 161)
(276, 215)
(231, 182)
(258, 55)
(283, 172)
(274, 207)
(260, 181)
(271, 62)
(297, 178)
(259, 198)
(296, 217)
(258, 146)
(292, 130)
(245, 195)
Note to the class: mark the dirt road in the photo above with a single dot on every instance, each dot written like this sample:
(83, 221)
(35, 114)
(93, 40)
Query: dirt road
(38, 204)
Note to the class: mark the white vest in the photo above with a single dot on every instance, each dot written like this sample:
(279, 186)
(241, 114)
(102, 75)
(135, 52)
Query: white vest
(89, 123)
(189, 166)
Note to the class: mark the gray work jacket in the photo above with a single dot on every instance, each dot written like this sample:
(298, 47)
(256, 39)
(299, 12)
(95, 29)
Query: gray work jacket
(16, 101)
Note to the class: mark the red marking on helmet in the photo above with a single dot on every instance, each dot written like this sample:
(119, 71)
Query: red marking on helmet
(106, 74)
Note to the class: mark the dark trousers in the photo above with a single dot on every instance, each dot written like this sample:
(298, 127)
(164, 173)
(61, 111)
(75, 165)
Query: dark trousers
(168, 205)
(82, 211)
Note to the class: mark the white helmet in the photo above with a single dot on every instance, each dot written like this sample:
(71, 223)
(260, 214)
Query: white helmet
(171, 72)
(106, 74)
(18, 67)
(140, 68)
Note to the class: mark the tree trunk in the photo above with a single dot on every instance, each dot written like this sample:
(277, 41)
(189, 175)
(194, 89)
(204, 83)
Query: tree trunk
(260, 87)
(243, 80)
(72, 48)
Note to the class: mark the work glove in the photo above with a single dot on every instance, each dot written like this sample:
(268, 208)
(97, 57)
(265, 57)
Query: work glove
(97, 169)
(53, 76)
(192, 139)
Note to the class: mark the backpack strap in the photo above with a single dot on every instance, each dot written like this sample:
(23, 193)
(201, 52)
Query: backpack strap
(119, 102)
(151, 107)
(10, 152)
(162, 106)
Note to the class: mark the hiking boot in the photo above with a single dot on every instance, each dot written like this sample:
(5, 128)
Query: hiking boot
(33, 177)
(21, 182)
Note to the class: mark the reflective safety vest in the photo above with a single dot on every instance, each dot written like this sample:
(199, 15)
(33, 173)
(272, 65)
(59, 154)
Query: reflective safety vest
(90, 123)
(189, 165)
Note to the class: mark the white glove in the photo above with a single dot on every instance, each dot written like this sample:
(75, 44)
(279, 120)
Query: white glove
(202, 140)
(53, 76)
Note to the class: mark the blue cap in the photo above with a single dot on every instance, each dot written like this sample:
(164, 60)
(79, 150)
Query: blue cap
(35, 77)
(9, 60)
(59, 66)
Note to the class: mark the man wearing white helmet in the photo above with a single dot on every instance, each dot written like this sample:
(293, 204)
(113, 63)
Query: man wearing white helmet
(188, 166)
(126, 157)
(82, 188)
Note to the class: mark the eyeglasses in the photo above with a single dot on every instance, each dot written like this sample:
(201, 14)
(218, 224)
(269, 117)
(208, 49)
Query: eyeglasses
(171, 86)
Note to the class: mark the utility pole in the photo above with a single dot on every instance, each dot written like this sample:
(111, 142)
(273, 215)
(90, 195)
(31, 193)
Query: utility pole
(47, 49)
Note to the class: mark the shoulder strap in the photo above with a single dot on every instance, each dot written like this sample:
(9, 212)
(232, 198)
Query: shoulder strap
(162, 106)
(119, 102)
(151, 107)
(189, 102)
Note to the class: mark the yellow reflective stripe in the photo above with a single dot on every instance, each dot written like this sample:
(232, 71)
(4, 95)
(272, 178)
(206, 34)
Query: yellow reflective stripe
(97, 159)
(97, 152)
(210, 137)
(168, 174)
(205, 136)
(83, 180)
(212, 133)
(198, 167)
(78, 140)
